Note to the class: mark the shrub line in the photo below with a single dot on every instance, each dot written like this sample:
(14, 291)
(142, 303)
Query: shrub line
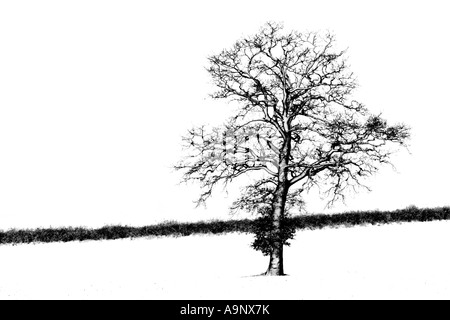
(176, 229)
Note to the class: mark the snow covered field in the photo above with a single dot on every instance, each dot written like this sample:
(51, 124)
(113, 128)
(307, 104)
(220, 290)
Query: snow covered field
(398, 261)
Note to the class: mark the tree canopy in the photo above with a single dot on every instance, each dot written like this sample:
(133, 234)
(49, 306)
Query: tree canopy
(295, 114)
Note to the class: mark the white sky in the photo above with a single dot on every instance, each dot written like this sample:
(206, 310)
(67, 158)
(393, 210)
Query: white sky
(94, 96)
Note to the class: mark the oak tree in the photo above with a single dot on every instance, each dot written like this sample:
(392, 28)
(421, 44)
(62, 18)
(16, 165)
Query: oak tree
(296, 126)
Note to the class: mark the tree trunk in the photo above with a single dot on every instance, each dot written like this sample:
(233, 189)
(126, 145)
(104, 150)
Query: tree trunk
(276, 267)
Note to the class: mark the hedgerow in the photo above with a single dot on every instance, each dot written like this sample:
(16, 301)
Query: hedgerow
(257, 226)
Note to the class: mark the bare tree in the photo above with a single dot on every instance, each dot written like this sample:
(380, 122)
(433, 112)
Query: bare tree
(295, 126)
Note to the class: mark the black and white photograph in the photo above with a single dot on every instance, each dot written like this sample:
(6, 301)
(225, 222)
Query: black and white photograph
(233, 150)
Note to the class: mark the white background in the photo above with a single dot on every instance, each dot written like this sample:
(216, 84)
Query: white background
(95, 95)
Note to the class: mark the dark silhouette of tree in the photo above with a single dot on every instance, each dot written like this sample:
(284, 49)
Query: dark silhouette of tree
(296, 127)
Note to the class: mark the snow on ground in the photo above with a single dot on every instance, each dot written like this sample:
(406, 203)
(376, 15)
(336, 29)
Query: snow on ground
(398, 261)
